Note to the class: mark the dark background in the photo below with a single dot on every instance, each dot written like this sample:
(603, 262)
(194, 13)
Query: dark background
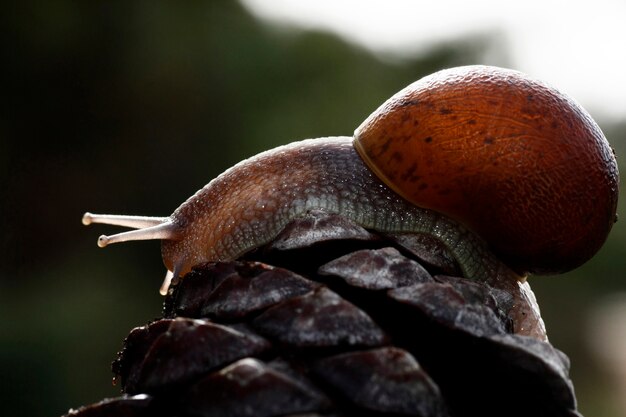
(129, 108)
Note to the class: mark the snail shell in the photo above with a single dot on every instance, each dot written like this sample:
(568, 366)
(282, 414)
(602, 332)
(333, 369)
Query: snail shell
(518, 162)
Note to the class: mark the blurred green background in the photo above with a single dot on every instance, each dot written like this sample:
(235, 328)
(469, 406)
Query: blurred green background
(130, 108)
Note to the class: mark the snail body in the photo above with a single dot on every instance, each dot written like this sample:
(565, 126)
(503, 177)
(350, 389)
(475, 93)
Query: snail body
(249, 204)
(432, 159)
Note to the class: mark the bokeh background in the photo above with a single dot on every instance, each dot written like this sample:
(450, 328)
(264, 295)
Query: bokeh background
(130, 107)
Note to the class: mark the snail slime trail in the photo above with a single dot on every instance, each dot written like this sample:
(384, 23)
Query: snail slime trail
(484, 159)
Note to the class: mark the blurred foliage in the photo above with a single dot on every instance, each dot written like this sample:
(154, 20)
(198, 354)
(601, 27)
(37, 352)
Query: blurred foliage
(130, 108)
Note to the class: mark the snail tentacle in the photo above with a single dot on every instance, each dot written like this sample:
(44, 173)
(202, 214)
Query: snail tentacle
(134, 222)
(163, 231)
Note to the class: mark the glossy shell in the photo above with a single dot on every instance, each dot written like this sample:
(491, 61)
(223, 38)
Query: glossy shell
(517, 161)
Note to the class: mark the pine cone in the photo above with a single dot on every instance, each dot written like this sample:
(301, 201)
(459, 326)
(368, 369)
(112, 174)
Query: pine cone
(332, 320)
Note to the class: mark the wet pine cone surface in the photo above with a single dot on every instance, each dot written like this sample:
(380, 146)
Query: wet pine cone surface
(330, 319)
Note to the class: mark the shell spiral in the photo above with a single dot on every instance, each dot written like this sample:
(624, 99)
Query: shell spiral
(513, 159)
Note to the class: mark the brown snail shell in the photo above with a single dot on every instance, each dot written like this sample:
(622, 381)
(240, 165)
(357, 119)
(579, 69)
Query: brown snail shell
(518, 162)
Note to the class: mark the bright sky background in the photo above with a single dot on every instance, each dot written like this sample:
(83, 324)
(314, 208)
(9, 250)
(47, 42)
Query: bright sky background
(579, 47)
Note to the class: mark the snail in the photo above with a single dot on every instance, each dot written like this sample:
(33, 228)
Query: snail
(511, 175)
